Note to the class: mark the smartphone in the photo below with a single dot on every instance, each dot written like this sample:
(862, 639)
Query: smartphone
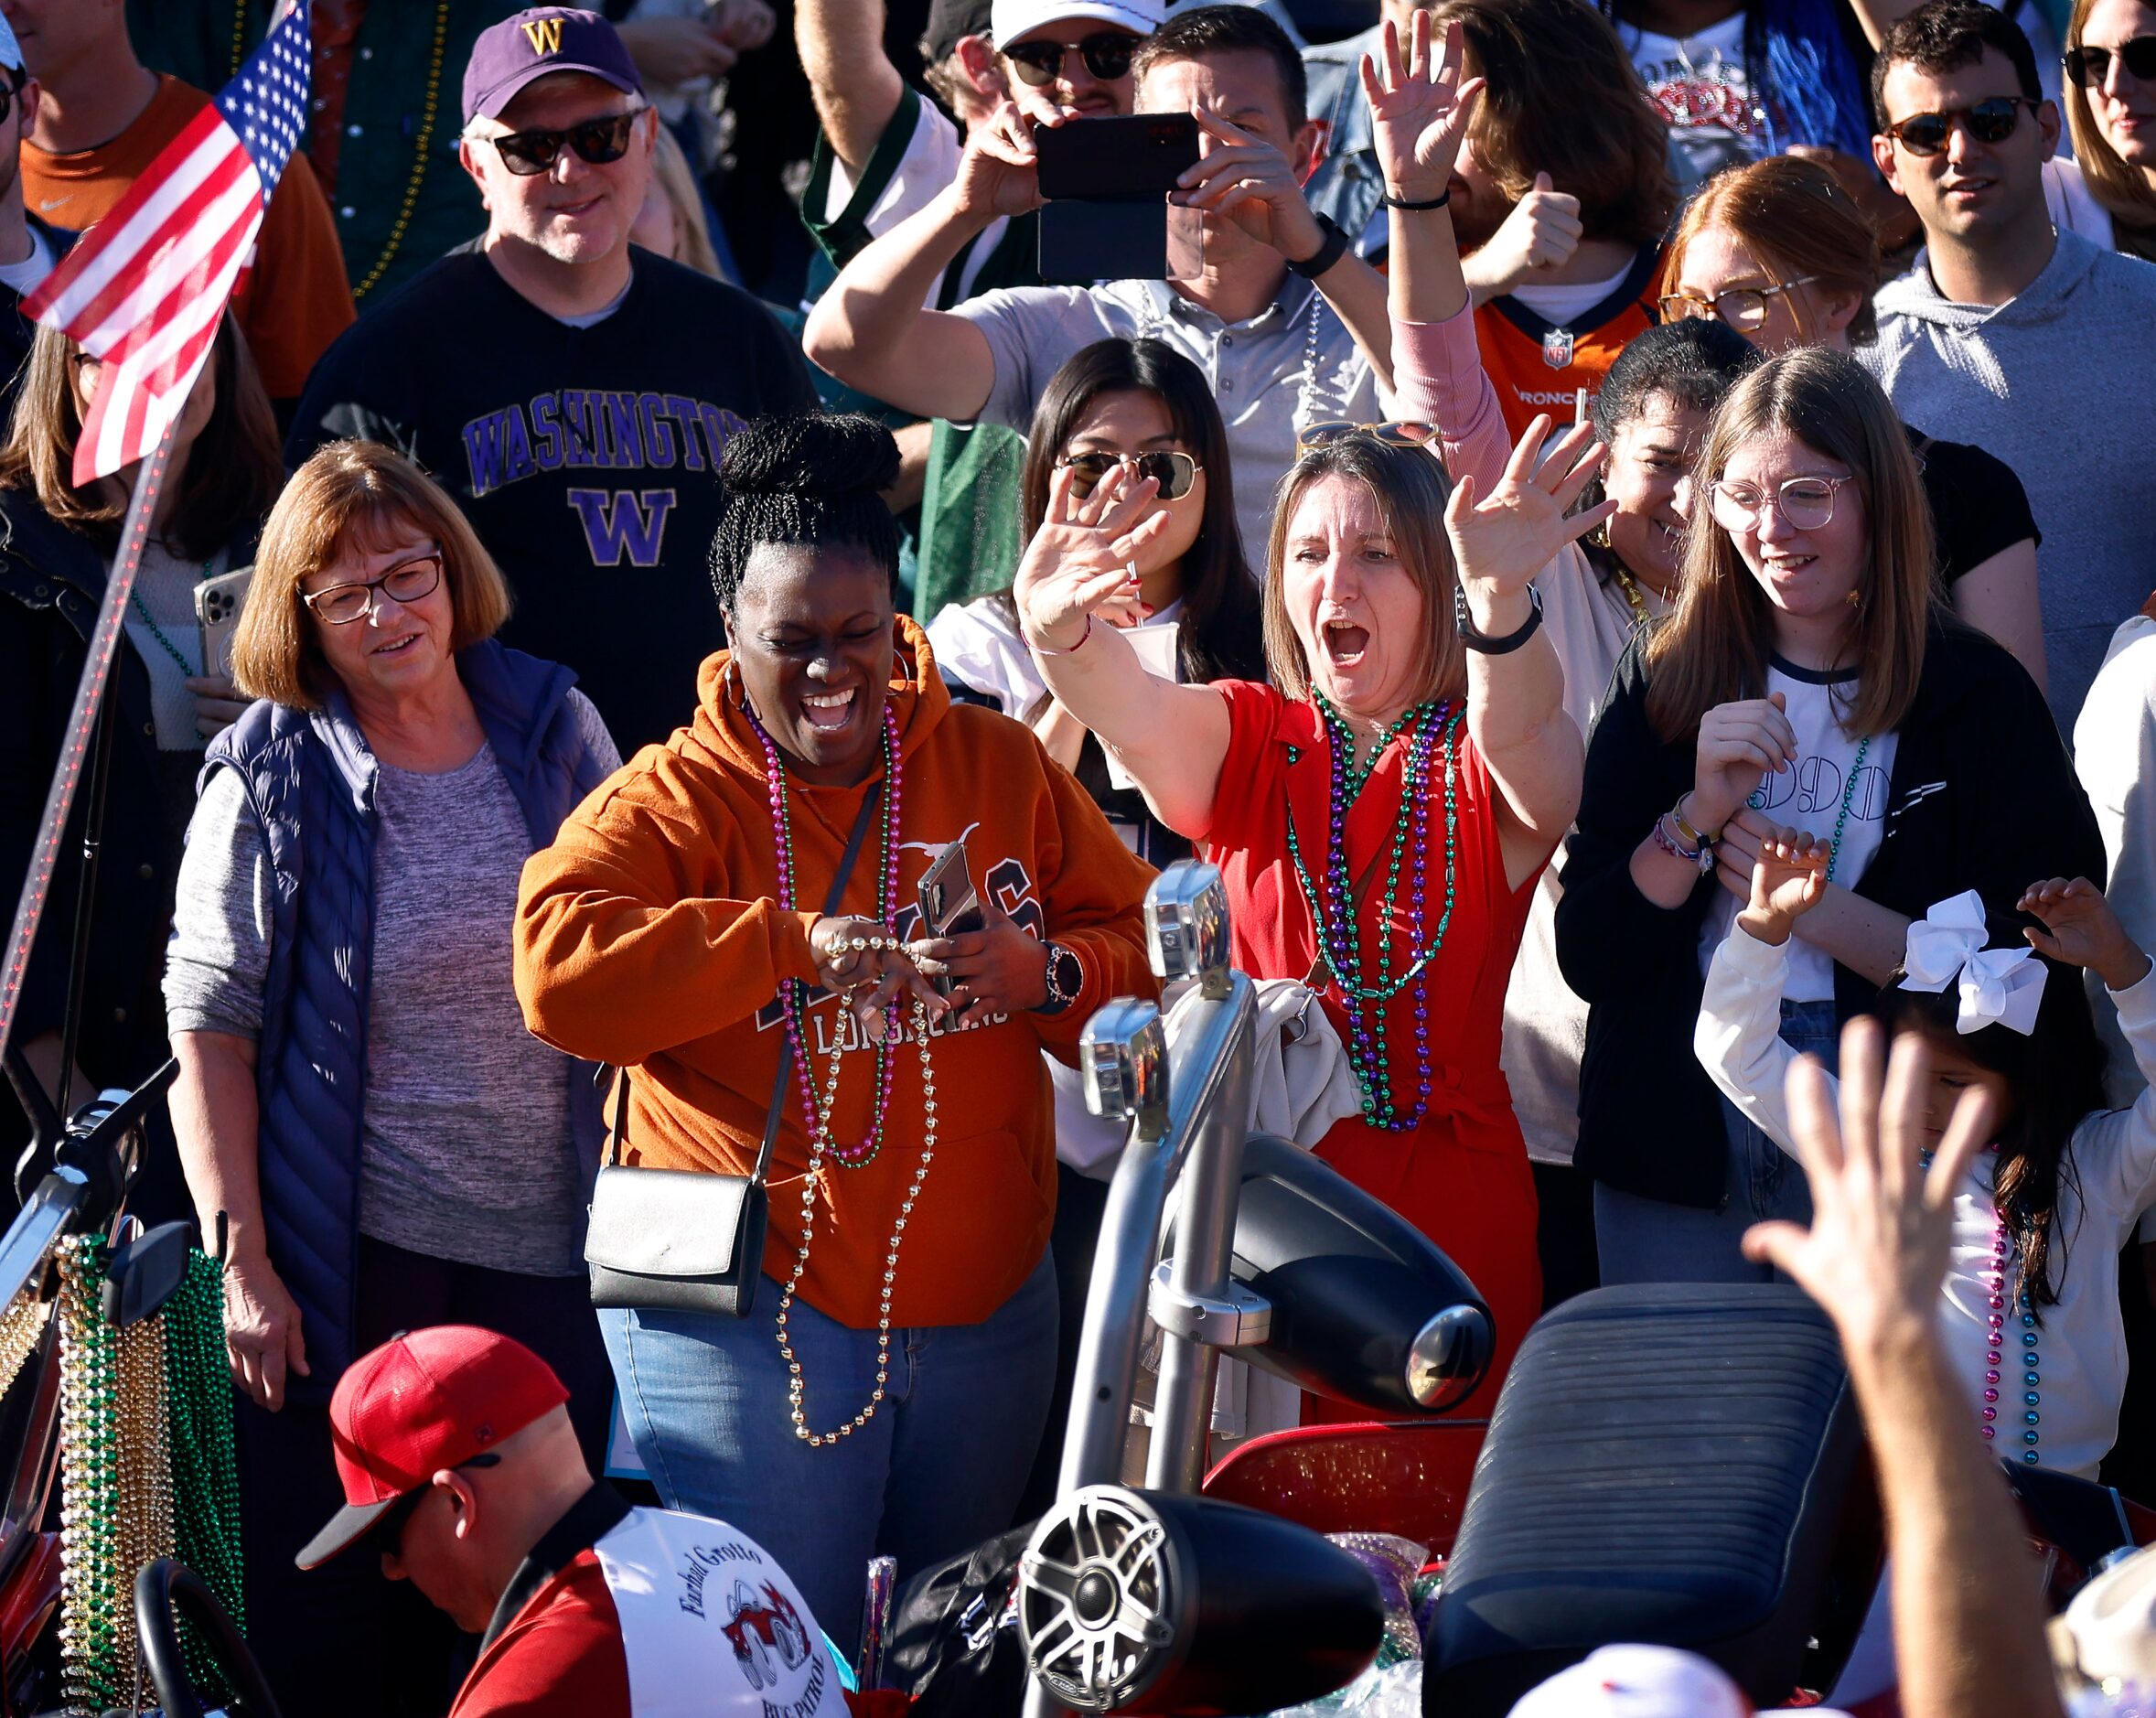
(218, 602)
(1121, 159)
(950, 908)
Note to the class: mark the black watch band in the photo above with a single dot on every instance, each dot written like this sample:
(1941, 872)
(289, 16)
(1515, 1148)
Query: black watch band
(1488, 646)
(1329, 251)
(1065, 977)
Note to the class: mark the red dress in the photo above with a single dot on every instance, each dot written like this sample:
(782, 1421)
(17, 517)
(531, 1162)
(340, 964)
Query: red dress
(1462, 1177)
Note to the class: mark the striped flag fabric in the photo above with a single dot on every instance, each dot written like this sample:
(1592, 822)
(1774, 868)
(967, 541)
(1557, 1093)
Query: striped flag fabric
(145, 287)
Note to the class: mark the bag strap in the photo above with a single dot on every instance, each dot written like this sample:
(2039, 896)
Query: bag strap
(786, 1050)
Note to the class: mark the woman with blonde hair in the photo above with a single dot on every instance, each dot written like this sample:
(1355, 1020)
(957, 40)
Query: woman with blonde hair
(2110, 100)
(1780, 252)
(1808, 676)
(361, 1111)
(672, 223)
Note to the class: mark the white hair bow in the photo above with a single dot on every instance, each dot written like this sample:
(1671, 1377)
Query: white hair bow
(1998, 986)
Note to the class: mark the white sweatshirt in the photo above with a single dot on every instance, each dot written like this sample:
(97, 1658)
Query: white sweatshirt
(2108, 1180)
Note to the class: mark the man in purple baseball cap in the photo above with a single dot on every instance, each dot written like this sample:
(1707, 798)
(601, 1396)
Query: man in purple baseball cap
(572, 392)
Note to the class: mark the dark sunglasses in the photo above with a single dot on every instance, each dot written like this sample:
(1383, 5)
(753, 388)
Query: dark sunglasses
(1988, 122)
(1173, 472)
(1393, 434)
(1107, 54)
(387, 1534)
(598, 141)
(2087, 67)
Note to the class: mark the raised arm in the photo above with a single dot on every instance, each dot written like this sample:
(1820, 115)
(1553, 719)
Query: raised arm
(871, 330)
(1516, 694)
(1074, 582)
(856, 87)
(1420, 112)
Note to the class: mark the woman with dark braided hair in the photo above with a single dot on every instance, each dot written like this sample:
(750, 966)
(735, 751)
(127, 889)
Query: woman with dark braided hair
(887, 1391)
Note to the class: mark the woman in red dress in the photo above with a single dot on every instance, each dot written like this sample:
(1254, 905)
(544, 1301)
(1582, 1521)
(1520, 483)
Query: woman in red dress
(1382, 809)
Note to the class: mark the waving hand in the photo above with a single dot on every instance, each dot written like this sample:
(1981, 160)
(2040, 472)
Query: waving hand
(1420, 108)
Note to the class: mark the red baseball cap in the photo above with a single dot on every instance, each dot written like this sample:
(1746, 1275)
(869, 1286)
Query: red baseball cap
(423, 1402)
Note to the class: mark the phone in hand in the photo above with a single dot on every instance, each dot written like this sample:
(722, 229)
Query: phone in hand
(950, 908)
(1106, 182)
(218, 602)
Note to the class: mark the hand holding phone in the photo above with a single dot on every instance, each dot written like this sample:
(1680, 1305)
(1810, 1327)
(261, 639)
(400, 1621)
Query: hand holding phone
(950, 907)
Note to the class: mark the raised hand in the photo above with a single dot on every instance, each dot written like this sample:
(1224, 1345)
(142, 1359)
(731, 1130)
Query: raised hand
(1738, 743)
(1502, 540)
(1420, 109)
(1876, 1251)
(1244, 179)
(1082, 560)
(999, 172)
(1788, 879)
(1542, 233)
(2080, 928)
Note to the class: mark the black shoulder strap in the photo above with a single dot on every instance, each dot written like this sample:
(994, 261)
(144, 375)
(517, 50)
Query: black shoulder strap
(786, 1051)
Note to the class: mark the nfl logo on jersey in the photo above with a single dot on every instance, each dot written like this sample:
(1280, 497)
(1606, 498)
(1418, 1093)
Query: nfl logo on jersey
(1557, 348)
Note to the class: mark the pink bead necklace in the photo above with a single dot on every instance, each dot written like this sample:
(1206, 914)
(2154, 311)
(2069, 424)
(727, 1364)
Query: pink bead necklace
(1995, 1346)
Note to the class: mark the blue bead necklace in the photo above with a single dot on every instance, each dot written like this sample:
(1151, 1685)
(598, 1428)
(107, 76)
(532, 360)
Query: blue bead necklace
(2002, 1254)
(1365, 995)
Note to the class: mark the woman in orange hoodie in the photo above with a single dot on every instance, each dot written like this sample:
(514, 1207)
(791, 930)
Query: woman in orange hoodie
(888, 1390)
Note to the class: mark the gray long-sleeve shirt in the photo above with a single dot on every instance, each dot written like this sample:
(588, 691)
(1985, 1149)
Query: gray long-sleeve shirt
(466, 1153)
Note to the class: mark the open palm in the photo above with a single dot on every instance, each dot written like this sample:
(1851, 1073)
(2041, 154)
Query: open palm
(1419, 108)
(1505, 539)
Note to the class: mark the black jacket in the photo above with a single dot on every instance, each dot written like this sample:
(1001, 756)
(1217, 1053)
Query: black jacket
(1982, 795)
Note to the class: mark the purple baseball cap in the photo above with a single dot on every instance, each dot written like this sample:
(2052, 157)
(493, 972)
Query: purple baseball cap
(534, 43)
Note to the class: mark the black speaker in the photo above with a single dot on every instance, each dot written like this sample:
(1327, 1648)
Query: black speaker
(1365, 1308)
(1148, 1602)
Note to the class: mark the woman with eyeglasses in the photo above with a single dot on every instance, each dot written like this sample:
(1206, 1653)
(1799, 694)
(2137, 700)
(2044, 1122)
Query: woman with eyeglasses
(362, 1117)
(2110, 101)
(1142, 408)
(1382, 809)
(1779, 252)
(1808, 678)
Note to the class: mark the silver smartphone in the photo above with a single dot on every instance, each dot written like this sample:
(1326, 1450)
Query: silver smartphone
(950, 908)
(218, 602)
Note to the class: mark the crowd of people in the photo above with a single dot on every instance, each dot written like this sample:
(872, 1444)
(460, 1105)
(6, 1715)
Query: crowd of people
(1601, 537)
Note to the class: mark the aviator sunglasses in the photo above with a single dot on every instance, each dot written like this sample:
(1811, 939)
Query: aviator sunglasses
(1107, 54)
(1173, 472)
(1397, 433)
(1989, 121)
(2088, 67)
(598, 141)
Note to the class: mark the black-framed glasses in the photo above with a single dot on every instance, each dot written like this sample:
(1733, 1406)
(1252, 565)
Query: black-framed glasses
(598, 141)
(388, 1531)
(1988, 122)
(407, 582)
(1804, 503)
(1742, 308)
(2088, 67)
(1399, 433)
(1173, 472)
(1107, 54)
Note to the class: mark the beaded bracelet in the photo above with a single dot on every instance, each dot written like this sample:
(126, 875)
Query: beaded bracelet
(1665, 838)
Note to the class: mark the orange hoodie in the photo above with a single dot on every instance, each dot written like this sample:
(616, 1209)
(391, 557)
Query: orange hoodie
(650, 935)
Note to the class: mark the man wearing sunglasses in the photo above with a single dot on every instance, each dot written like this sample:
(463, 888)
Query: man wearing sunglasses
(461, 1474)
(1259, 319)
(572, 392)
(2030, 342)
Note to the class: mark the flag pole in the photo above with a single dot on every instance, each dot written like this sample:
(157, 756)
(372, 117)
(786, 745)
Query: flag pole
(76, 751)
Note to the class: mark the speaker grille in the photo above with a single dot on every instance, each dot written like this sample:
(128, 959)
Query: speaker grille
(1097, 1587)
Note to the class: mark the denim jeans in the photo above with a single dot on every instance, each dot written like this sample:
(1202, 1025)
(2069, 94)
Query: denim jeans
(937, 1470)
(1651, 1240)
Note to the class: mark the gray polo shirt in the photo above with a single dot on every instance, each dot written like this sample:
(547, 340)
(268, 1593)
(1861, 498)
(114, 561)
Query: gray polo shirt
(1293, 364)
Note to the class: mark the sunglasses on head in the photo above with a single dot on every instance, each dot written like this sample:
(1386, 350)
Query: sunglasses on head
(1173, 472)
(1107, 54)
(1393, 434)
(1988, 122)
(2088, 67)
(598, 141)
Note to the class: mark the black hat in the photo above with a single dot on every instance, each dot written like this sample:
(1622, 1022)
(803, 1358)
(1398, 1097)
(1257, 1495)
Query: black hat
(949, 22)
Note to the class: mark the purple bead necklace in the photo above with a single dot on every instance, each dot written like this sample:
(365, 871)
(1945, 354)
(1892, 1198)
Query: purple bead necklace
(793, 993)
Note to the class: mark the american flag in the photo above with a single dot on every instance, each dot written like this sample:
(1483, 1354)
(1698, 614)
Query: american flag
(145, 286)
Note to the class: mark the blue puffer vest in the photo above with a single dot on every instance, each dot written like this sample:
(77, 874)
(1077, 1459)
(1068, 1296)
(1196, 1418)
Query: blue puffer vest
(310, 779)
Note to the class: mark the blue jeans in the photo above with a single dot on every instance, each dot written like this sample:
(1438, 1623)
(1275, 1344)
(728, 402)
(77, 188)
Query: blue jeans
(1652, 1240)
(937, 1470)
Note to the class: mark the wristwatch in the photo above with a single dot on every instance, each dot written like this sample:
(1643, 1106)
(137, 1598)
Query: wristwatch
(1066, 978)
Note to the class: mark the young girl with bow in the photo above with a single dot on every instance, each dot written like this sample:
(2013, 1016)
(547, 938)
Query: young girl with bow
(2064, 1178)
